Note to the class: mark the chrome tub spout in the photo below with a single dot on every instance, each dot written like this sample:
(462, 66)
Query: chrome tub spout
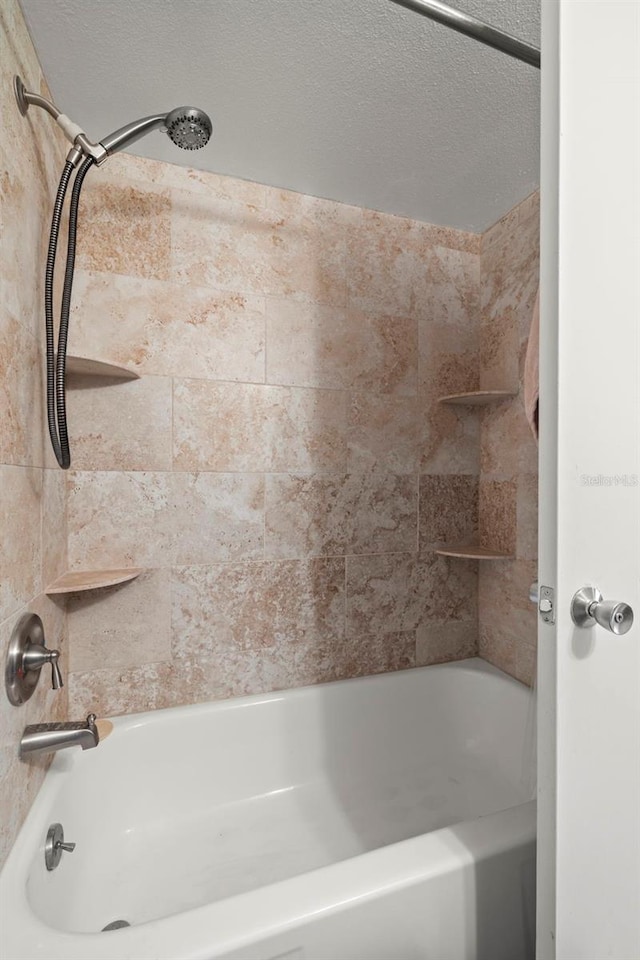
(50, 737)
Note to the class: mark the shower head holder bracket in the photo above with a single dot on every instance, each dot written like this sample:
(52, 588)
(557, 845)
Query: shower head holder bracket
(82, 146)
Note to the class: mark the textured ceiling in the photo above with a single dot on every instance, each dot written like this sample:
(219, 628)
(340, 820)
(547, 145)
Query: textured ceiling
(356, 100)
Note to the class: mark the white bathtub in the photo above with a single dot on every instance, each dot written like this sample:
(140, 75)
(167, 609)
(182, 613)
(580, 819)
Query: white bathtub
(383, 818)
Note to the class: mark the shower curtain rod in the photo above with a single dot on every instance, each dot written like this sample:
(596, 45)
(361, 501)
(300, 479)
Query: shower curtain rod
(477, 29)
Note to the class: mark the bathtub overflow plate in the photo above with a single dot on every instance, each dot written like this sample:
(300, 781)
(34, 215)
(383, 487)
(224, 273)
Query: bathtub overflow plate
(55, 845)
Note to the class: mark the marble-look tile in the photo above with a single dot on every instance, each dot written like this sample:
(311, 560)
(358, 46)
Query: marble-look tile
(450, 439)
(507, 226)
(510, 270)
(218, 608)
(126, 167)
(387, 264)
(54, 525)
(500, 351)
(258, 624)
(157, 519)
(448, 509)
(375, 653)
(119, 519)
(20, 575)
(220, 426)
(454, 288)
(448, 358)
(120, 425)
(441, 641)
(122, 627)
(401, 266)
(382, 433)
(28, 157)
(293, 206)
(398, 592)
(153, 686)
(308, 516)
(327, 659)
(507, 617)
(21, 395)
(238, 246)
(310, 345)
(168, 329)
(257, 605)
(497, 647)
(126, 228)
(448, 363)
(453, 239)
(217, 517)
(498, 520)
(527, 517)
(526, 663)
(508, 507)
(508, 448)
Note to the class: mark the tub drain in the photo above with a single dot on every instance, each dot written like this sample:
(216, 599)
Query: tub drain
(116, 925)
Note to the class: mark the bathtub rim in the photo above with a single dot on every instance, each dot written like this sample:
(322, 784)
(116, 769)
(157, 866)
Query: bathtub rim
(471, 665)
(273, 908)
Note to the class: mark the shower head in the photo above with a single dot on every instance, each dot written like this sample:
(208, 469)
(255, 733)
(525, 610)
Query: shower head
(187, 127)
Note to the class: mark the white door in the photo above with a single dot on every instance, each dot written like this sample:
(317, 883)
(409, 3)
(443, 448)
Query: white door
(589, 679)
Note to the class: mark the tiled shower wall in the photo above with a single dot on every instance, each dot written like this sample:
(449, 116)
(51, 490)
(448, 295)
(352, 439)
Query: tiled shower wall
(509, 459)
(282, 469)
(32, 498)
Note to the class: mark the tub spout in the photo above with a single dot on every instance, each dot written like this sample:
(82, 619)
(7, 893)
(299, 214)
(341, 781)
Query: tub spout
(50, 737)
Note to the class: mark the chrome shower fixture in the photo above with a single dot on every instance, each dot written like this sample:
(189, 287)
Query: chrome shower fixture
(188, 127)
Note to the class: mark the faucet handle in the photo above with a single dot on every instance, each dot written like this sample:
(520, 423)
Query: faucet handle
(26, 656)
(56, 676)
(35, 657)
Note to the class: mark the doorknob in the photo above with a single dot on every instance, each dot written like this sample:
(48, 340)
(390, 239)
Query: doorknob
(588, 608)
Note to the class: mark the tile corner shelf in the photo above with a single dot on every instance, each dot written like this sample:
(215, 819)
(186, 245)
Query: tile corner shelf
(86, 367)
(478, 398)
(77, 581)
(471, 551)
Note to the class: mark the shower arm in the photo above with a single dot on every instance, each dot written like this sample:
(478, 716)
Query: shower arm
(82, 146)
(476, 29)
(132, 132)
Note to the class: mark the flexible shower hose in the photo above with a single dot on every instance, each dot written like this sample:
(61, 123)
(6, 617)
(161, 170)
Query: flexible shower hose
(56, 365)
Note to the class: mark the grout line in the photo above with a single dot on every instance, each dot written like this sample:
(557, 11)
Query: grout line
(173, 448)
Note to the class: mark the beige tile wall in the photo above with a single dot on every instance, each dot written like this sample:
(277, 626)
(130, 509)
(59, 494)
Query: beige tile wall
(509, 462)
(274, 466)
(32, 499)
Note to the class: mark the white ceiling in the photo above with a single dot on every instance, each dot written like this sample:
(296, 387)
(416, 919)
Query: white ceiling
(356, 100)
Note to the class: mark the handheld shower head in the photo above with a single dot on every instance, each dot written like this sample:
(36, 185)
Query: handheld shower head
(188, 127)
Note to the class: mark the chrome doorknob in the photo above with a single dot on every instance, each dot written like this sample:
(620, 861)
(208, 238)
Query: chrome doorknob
(588, 608)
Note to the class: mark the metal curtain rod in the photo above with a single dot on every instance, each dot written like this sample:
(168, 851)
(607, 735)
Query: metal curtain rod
(477, 29)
